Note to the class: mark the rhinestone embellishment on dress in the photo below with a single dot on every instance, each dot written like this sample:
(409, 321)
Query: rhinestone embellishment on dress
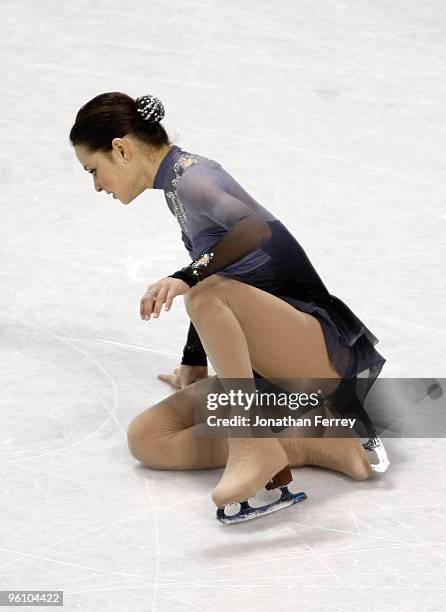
(184, 161)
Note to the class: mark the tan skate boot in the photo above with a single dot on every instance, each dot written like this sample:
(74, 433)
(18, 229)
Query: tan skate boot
(339, 449)
(253, 463)
(345, 455)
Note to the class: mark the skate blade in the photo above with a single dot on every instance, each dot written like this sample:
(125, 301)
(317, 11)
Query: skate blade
(247, 512)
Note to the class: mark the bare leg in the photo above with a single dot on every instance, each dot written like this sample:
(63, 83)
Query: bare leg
(230, 317)
(244, 328)
(165, 435)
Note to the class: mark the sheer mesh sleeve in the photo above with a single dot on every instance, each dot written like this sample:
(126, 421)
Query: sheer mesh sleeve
(204, 193)
(209, 196)
(245, 236)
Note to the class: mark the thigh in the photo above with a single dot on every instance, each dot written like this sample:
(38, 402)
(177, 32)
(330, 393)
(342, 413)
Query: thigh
(175, 412)
(167, 436)
(283, 342)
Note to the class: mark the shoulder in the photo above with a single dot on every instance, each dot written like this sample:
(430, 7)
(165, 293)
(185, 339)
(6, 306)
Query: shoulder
(199, 178)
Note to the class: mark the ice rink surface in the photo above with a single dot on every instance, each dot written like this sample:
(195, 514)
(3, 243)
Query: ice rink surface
(332, 115)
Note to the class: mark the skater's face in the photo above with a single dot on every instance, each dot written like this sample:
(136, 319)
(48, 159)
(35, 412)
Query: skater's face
(119, 173)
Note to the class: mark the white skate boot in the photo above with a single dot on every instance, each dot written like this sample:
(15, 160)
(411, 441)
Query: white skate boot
(375, 444)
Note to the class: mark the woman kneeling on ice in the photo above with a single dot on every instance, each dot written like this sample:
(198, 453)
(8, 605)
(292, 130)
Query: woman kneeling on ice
(257, 308)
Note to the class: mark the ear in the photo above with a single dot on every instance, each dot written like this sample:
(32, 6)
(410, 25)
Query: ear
(121, 150)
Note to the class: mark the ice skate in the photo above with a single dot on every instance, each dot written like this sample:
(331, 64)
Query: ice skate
(345, 455)
(338, 449)
(253, 464)
(375, 444)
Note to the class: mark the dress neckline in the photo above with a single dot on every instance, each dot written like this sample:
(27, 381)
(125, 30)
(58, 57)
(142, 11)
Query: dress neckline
(166, 163)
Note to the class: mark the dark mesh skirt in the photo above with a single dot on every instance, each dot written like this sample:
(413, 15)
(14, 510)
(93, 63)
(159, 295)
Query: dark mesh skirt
(350, 344)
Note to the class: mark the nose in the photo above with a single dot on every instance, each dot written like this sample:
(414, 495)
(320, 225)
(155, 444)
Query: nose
(97, 186)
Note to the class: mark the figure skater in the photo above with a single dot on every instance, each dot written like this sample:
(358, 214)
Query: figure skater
(256, 304)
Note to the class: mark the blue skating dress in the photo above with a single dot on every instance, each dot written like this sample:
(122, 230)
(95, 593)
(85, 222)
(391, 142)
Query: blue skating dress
(251, 245)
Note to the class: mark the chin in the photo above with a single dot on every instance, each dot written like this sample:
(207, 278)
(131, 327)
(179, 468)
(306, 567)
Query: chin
(127, 201)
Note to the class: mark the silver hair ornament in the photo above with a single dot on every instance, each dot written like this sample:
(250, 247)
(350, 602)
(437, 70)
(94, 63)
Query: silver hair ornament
(150, 108)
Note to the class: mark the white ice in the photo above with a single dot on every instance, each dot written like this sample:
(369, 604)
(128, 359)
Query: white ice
(332, 114)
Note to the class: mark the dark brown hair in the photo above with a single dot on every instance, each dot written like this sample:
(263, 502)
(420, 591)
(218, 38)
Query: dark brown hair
(113, 115)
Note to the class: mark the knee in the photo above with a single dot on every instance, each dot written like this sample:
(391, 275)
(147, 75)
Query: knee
(142, 445)
(135, 437)
(154, 450)
(205, 293)
(191, 298)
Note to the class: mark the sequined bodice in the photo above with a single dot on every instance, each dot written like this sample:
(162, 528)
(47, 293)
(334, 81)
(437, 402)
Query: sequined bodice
(207, 201)
(184, 161)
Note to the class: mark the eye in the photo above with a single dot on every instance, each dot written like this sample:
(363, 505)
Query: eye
(93, 172)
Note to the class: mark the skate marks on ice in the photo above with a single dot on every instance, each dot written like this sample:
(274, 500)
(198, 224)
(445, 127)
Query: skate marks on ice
(69, 398)
(62, 414)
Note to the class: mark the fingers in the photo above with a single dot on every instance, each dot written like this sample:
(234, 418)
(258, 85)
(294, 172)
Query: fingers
(146, 305)
(172, 380)
(169, 300)
(158, 302)
(151, 304)
(162, 292)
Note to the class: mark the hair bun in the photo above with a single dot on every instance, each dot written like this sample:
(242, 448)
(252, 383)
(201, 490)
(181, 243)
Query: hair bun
(150, 108)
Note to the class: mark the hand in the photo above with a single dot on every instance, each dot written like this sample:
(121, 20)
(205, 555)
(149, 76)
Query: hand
(159, 293)
(184, 375)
